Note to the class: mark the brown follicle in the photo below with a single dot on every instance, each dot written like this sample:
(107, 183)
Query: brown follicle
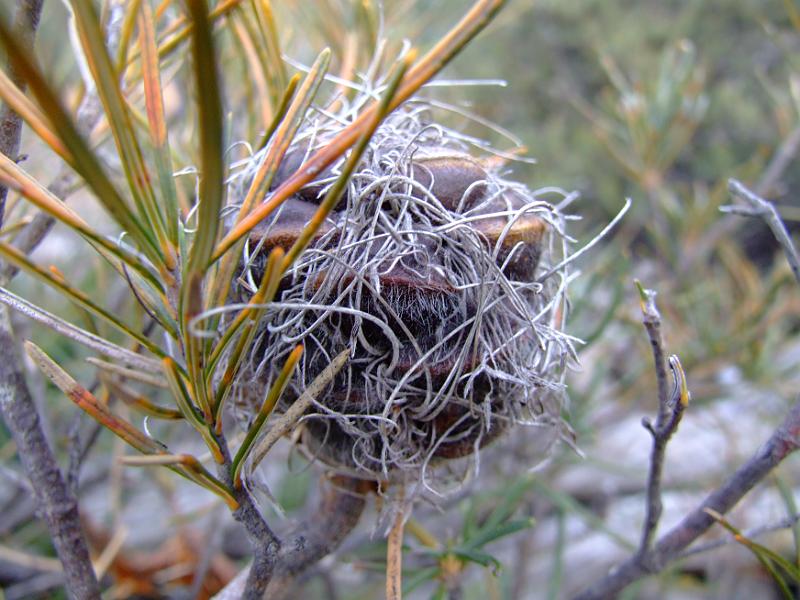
(427, 270)
(458, 181)
(283, 227)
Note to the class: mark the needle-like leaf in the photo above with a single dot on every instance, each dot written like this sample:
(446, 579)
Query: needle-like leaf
(210, 123)
(138, 401)
(121, 124)
(265, 293)
(32, 116)
(295, 412)
(191, 468)
(18, 259)
(472, 23)
(210, 200)
(271, 399)
(17, 179)
(189, 411)
(85, 161)
(156, 380)
(154, 104)
(126, 34)
(247, 321)
(273, 43)
(87, 402)
(180, 30)
(280, 113)
(77, 334)
(188, 466)
(285, 131)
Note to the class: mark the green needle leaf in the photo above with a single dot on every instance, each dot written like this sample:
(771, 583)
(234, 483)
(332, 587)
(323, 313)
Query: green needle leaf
(85, 160)
(275, 391)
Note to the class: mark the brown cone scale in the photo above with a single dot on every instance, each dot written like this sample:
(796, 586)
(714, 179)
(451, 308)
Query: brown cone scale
(460, 184)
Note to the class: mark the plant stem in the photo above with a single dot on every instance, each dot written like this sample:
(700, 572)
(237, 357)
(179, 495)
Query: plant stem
(331, 521)
(783, 442)
(337, 514)
(26, 21)
(266, 544)
(394, 557)
(670, 412)
(56, 504)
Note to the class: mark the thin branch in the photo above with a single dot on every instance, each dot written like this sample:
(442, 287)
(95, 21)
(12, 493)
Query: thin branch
(266, 544)
(651, 319)
(783, 441)
(336, 516)
(26, 21)
(781, 159)
(758, 207)
(670, 412)
(662, 432)
(394, 557)
(750, 534)
(57, 505)
(332, 520)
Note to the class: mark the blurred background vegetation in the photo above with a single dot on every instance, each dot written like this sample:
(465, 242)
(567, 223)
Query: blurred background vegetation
(657, 100)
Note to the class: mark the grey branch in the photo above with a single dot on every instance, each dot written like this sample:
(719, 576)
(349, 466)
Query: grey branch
(671, 546)
(266, 544)
(750, 534)
(57, 506)
(24, 27)
(670, 412)
(758, 207)
(651, 319)
(336, 516)
(663, 430)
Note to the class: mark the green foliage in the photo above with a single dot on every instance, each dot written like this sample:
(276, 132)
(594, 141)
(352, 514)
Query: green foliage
(782, 571)
(172, 267)
(661, 101)
(488, 518)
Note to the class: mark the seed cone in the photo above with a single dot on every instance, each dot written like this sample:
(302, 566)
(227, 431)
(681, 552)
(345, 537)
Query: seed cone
(427, 270)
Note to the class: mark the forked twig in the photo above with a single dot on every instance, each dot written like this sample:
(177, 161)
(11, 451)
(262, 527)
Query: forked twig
(336, 515)
(758, 207)
(784, 441)
(662, 431)
(670, 411)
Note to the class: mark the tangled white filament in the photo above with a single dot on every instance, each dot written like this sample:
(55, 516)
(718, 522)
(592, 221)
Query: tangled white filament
(449, 361)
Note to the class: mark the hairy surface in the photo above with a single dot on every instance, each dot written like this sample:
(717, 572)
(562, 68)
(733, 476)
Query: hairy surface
(427, 270)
